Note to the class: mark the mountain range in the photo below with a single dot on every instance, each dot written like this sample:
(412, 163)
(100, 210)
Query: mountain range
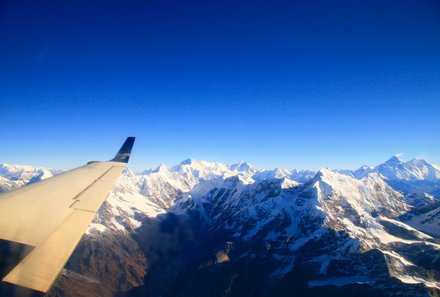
(209, 229)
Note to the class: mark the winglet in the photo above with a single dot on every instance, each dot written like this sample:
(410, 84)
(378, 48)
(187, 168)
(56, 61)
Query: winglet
(124, 153)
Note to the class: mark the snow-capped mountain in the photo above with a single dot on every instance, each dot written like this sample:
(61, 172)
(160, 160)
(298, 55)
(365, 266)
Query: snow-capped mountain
(359, 214)
(362, 171)
(7, 184)
(154, 191)
(166, 230)
(396, 169)
(414, 176)
(17, 172)
(300, 176)
(15, 176)
(328, 197)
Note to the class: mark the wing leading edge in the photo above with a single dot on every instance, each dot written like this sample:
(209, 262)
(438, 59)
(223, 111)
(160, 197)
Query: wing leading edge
(52, 215)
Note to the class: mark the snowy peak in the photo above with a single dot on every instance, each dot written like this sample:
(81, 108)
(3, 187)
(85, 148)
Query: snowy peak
(200, 169)
(25, 173)
(362, 171)
(327, 175)
(288, 183)
(270, 174)
(394, 160)
(339, 192)
(422, 170)
(17, 172)
(40, 174)
(15, 176)
(188, 162)
(395, 169)
(301, 176)
(162, 168)
(200, 166)
(324, 171)
(392, 169)
(281, 173)
(243, 167)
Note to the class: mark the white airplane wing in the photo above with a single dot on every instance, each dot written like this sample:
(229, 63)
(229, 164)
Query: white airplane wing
(52, 216)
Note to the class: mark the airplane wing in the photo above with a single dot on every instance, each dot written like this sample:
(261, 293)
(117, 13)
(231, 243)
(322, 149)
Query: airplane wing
(52, 216)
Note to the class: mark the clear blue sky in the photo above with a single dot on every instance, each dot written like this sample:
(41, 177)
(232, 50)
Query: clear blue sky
(294, 84)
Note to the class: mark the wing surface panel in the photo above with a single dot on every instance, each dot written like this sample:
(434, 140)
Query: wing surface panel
(92, 199)
(29, 214)
(41, 267)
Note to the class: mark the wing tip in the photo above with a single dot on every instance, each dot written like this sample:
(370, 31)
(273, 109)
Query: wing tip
(124, 153)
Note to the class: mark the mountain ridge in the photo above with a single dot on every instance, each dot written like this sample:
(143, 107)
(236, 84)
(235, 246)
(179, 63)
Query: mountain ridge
(234, 215)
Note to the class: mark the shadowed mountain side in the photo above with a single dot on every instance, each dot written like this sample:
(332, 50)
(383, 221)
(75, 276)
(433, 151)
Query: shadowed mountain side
(184, 262)
(102, 265)
(418, 186)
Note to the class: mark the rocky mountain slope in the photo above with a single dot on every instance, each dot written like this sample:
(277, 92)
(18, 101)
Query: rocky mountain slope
(209, 229)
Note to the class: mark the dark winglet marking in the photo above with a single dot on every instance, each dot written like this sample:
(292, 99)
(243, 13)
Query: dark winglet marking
(124, 153)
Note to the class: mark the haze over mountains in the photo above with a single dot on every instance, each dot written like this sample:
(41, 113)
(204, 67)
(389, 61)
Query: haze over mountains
(210, 229)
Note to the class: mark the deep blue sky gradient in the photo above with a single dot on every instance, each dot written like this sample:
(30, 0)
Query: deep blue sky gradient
(276, 83)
